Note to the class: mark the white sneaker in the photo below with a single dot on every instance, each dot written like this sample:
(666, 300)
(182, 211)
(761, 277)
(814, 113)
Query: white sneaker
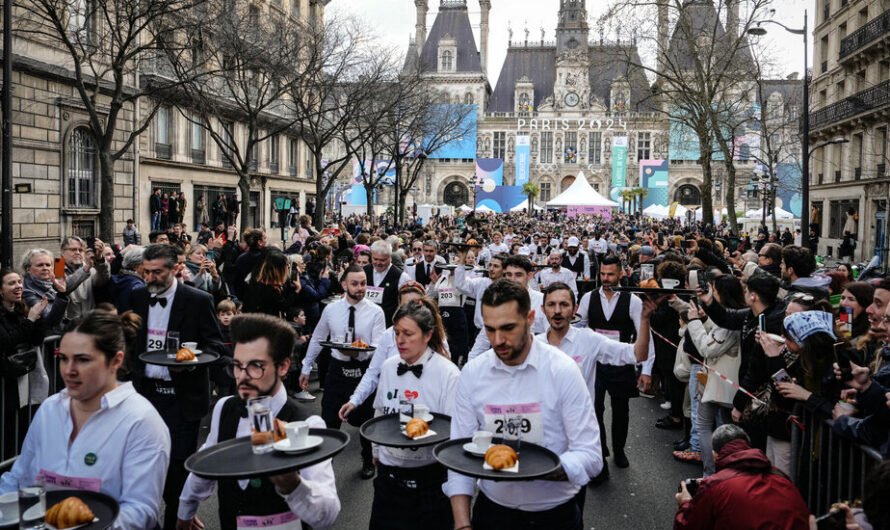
(666, 405)
(304, 396)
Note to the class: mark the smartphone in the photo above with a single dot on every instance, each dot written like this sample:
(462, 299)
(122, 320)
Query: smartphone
(59, 267)
(843, 362)
(660, 239)
(211, 255)
(833, 520)
(686, 243)
(761, 322)
(91, 243)
(781, 377)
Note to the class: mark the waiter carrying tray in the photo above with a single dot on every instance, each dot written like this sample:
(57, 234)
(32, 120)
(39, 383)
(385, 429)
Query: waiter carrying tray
(351, 318)
(521, 373)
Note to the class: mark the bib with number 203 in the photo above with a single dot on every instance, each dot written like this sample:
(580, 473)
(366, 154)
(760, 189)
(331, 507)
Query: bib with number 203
(374, 294)
(448, 297)
(519, 420)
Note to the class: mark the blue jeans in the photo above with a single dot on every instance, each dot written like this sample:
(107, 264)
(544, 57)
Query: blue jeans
(694, 397)
(155, 221)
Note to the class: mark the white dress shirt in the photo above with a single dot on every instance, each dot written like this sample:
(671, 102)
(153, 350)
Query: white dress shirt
(587, 347)
(411, 270)
(122, 451)
(368, 384)
(434, 388)
(379, 276)
(315, 500)
(550, 275)
(599, 246)
(158, 320)
(549, 389)
(472, 287)
(369, 327)
(636, 309)
(580, 255)
(495, 249)
(539, 326)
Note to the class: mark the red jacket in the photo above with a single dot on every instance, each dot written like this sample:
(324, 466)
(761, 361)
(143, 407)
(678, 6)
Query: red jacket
(745, 494)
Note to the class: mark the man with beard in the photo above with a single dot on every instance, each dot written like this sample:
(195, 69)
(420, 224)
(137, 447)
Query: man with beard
(618, 316)
(518, 269)
(182, 396)
(262, 359)
(525, 375)
(85, 271)
(576, 260)
(557, 273)
(423, 269)
(353, 317)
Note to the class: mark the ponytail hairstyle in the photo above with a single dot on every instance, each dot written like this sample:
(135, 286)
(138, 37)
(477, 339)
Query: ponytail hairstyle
(425, 314)
(111, 333)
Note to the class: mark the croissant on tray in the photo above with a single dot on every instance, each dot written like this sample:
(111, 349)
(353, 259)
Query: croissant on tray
(70, 512)
(501, 457)
(416, 428)
(185, 355)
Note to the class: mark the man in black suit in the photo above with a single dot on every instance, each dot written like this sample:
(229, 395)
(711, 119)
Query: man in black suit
(154, 206)
(181, 395)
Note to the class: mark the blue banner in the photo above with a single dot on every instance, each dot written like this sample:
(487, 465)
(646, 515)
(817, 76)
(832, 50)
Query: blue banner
(523, 159)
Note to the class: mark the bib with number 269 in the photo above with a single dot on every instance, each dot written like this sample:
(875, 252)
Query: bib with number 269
(515, 420)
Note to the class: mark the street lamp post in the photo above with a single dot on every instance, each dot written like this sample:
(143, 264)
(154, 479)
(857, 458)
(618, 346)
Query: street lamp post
(805, 125)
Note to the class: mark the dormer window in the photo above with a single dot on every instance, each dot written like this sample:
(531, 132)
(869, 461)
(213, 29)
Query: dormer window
(447, 54)
(447, 61)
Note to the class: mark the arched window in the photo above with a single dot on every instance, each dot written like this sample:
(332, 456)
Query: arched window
(566, 182)
(81, 170)
(688, 195)
(468, 98)
(456, 194)
(447, 61)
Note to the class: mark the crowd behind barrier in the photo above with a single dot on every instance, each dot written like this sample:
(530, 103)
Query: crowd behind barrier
(765, 336)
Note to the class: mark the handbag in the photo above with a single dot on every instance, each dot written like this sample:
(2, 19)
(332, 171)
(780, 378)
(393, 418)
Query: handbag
(757, 409)
(19, 363)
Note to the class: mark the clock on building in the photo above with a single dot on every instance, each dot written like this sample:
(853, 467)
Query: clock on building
(572, 99)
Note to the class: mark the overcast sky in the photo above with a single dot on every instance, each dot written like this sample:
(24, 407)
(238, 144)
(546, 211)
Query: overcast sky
(394, 21)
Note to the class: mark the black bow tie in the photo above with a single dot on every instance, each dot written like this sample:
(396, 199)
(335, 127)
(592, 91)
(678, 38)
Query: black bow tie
(158, 300)
(417, 369)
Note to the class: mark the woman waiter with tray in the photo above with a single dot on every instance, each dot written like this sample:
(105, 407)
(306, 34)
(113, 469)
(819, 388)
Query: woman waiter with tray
(408, 488)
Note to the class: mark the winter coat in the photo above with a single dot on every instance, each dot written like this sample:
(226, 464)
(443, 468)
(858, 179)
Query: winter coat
(720, 349)
(745, 494)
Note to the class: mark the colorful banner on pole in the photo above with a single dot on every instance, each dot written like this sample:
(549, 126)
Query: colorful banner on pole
(490, 169)
(500, 198)
(654, 178)
(523, 159)
(619, 161)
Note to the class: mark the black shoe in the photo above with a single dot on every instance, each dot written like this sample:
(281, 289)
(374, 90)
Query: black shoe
(368, 471)
(602, 477)
(606, 452)
(621, 460)
(669, 423)
(681, 445)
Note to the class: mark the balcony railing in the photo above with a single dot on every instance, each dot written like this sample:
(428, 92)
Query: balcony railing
(198, 156)
(164, 151)
(857, 173)
(871, 99)
(874, 30)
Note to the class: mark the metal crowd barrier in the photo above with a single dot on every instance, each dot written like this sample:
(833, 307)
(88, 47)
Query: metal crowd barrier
(828, 468)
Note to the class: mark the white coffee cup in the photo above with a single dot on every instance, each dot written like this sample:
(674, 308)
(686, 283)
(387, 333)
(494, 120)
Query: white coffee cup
(421, 411)
(297, 433)
(190, 345)
(482, 440)
(669, 283)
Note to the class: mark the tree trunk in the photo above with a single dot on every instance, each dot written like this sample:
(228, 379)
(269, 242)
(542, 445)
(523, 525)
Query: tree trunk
(244, 208)
(707, 203)
(369, 197)
(106, 214)
(320, 192)
(729, 197)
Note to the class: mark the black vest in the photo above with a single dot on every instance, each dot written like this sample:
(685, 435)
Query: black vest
(620, 321)
(420, 272)
(578, 267)
(390, 286)
(260, 497)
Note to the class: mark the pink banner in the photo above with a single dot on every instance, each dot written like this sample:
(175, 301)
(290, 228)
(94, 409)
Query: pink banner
(574, 211)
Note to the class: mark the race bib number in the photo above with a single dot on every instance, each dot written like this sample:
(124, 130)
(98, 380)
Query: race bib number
(448, 297)
(56, 481)
(156, 339)
(610, 334)
(281, 521)
(517, 421)
(374, 294)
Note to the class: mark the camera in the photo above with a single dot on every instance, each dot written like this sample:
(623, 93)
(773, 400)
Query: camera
(691, 486)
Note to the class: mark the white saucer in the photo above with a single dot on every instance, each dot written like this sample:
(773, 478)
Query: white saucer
(471, 448)
(9, 515)
(311, 443)
(428, 418)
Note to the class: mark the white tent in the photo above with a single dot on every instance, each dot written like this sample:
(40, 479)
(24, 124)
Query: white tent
(758, 214)
(523, 207)
(464, 208)
(656, 211)
(580, 193)
(484, 209)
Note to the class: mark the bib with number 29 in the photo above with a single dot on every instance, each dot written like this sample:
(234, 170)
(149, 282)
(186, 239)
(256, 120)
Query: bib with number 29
(516, 420)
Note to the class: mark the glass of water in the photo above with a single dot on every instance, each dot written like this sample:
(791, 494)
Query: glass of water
(259, 410)
(172, 341)
(32, 507)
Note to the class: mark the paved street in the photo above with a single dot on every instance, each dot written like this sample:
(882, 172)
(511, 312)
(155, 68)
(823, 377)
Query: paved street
(640, 497)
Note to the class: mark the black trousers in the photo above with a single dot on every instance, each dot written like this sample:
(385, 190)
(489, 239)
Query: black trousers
(456, 329)
(340, 383)
(176, 475)
(408, 498)
(619, 382)
(491, 516)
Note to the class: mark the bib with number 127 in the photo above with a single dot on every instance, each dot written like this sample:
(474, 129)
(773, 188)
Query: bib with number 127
(374, 294)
